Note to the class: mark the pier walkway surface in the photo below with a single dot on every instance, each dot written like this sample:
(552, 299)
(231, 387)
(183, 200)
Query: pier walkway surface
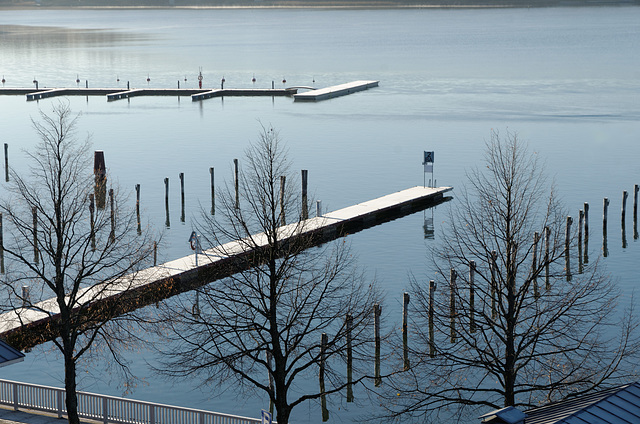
(171, 278)
(196, 94)
(9, 416)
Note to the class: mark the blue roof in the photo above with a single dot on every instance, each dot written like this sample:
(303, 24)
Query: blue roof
(619, 405)
(9, 355)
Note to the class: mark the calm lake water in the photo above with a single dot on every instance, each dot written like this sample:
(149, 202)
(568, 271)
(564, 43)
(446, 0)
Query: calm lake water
(567, 80)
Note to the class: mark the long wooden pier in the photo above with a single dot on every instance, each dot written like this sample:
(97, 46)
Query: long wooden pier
(335, 91)
(25, 327)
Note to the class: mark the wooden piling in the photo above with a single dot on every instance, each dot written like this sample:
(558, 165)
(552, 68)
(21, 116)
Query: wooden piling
(138, 208)
(377, 310)
(283, 218)
(405, 336)
(323, 397)
(534, 266)
(155, 253)
(213, 192)
(181, 176)
(605, 208)
(580, 224)
(432, 341)
(100, 179)
(586, 220)
(567, 253)
(635, 211)
(305, 208)
(1, 246)
(36, 256)
(452, 304)
(624, 205)
(236, 182)
(6, 162)
(493, 268)
(167, 222)
(547, 259)
(349, 325)
(93, 222)
(472, 307)
(112, 234)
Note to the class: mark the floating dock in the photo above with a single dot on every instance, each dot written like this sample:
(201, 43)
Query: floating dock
(335, 91)
(25, 327)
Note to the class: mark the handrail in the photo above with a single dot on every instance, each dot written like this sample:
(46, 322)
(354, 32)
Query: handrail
(109, 409)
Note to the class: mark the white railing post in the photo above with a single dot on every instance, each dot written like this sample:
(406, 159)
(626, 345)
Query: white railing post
(15, 396)
(59, 400)
(105, 410)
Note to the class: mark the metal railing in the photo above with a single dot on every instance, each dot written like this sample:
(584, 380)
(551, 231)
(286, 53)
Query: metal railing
(108, 409)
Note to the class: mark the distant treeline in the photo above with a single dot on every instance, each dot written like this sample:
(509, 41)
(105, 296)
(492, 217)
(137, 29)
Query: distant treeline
(311, 3)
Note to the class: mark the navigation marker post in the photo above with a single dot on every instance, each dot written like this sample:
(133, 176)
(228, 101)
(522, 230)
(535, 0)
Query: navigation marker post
(428, 167)
(194, 242)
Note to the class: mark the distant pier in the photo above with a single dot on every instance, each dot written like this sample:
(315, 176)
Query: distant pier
(196, 94)
(25, 327)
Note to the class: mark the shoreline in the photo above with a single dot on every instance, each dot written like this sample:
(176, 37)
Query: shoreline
(315, 4)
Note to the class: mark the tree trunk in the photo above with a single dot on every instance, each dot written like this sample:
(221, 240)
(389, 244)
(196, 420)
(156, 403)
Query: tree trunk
(71, 401)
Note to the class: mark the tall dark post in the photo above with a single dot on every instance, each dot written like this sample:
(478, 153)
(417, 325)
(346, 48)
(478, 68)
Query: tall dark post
(472, 297)
(323, 397)
(349, 325)
(305, 208)
(36, 256)
(166, 202)
(213, 193)
(452, 304)
(624, 204)
(547, 259)
(432, 341)
(534, 266)
(405, 336)
(100, 177)
(6, 162)
(567, 253)
(580, 223)
(236, 182)
(182, 218)
(605, 206)
(635, 211)
(283, 218)
(93, 222)
(112, 234)
(138, 208)
(377, 310)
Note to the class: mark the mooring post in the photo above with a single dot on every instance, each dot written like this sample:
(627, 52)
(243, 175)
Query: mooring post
(166, 202)
(580, 223)
(92, 223)
(213, 192)
(34, 212)
(323, 398)
(128, 85)
(534, 265)
(283, 219)
(567, 253)
(318, 208)
(1, 247)
(405, 336)
(26, 299)
(494, 288)
(547, 259)
(138, 208)
(100, 177)
(349, 325)
(605, 207)
(155, 253)
(178, 84)
(635, 211)
(376, 323)
(6, 162)
(432, 341)
(624, 204)
(181, 176)
(236, 183)
(112, 235)
(472, 295)
(305, 209)
(452, 304)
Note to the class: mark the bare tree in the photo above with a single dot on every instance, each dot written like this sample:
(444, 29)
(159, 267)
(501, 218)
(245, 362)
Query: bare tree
(510, 325)
(72, 255)
(263, 328)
